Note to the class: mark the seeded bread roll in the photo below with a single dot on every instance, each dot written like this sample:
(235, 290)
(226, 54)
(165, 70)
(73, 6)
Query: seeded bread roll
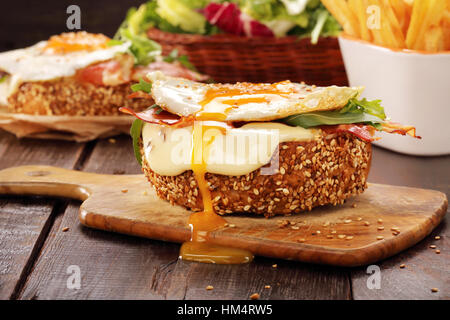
(69, 97)
(325, 171)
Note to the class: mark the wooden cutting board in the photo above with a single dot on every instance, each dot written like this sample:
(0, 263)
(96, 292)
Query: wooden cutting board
(347, 235)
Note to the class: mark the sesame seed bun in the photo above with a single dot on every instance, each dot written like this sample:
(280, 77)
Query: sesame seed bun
(67, 96)
(324, 171)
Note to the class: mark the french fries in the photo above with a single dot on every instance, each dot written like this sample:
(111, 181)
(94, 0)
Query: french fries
(422, 25)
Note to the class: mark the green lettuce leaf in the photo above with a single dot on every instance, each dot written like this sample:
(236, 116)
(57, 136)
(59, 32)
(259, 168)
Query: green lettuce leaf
(142, 85)
(135, 132)
(356, 111)
(178, 14)
(183, 59)
(364, 106)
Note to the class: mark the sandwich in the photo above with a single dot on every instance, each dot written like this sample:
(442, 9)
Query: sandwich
(80, 74)
(261, 149)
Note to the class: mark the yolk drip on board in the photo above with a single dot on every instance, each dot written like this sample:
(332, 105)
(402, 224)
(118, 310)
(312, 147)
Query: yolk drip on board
(199, 249)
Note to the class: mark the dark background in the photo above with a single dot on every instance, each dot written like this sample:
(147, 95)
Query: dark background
(23, 23)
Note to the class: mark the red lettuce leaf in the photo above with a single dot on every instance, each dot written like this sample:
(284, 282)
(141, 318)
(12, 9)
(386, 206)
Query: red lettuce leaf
(229, 18)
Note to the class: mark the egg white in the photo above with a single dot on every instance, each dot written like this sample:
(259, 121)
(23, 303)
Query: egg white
(183, 97)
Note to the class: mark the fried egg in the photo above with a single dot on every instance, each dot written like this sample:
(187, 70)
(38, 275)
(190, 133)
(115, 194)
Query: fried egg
(60, 56)
(245, 101)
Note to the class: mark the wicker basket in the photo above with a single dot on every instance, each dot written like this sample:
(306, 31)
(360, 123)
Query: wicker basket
(228, 58)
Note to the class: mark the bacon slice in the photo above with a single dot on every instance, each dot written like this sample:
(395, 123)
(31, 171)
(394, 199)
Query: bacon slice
(392, 127)
(162, 118)
(364, 132)
(174, 69)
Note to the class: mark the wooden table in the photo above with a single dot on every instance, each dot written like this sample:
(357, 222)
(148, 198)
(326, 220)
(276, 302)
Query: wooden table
(35, 252)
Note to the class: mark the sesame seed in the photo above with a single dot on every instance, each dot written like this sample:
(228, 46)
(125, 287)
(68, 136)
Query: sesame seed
(438, 251)
(274, 265)
(282, 170)
(341, 236)
(402, 265)
(254, 296)
(349, 238)
(380, 238)
(295, 228)
(437, 237)
(266, 286)
(366, 223)
(380, 228)
(434, 289)
(124, 190)
(433, 246)
(301, 240)
(65, 229)
(347, 221)
(209, 287)
(380, 220)
(232, 226)
(329, 236)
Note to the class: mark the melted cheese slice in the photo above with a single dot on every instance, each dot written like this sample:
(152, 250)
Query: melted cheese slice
(231, 151)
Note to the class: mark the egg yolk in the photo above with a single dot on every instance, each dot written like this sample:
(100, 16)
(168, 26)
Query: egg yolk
(199, 248)
(202, 223)
(76, 41)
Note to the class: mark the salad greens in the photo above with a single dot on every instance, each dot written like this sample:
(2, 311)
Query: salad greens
(183, 59)
(356, 111)
(304, 18)
(133, 29)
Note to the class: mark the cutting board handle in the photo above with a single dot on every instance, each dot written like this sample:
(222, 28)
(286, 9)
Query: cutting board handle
(48, 181)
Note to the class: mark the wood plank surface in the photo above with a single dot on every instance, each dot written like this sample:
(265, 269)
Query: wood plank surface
(424, 269)
(25, 221)
(112, 266)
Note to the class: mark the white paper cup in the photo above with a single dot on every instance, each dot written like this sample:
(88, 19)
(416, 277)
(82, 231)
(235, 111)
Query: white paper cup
(414, 88)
